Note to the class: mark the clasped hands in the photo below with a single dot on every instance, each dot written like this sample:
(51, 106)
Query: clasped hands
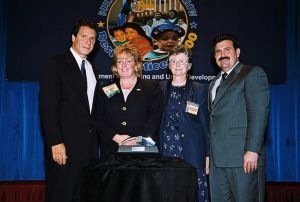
(125, 140)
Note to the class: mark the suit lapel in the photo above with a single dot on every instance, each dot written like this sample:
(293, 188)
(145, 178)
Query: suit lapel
(222, 88)
(136, 90)
(78, 80)
(226, 83)
(212, 84)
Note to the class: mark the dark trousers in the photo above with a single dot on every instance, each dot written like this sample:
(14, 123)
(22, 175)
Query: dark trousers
(232, 184)
(62, 182)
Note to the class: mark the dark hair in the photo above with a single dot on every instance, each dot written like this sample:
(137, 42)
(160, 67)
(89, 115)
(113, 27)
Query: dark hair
(225, 37)
(83, 22)
(137, 28)
(111, 31)
(181, 49)
(172, 10)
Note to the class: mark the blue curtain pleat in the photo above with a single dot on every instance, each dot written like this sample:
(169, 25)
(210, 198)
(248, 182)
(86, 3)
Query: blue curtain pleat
(283, 142)
(21, 143)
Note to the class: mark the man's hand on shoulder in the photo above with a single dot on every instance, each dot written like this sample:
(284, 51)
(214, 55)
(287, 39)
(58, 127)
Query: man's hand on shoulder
(59, 154)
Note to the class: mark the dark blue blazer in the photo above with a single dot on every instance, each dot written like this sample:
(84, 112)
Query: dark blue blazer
(194, 127)
(140, 115)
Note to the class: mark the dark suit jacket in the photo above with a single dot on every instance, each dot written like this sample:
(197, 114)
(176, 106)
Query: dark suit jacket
(64, 109)
(140, 115)
(239, 116)
(195, 127)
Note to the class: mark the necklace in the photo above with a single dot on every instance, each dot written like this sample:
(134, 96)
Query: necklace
(179, 84)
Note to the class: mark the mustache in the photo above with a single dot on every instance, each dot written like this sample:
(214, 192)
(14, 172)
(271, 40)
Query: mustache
(224, 58)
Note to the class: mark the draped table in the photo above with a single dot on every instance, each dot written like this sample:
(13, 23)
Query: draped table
(139, 178)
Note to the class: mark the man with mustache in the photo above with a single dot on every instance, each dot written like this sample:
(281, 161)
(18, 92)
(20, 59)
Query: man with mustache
(239, 108)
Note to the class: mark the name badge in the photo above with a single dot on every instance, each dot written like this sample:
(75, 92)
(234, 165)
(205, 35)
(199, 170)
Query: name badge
(111, 90)
(191, 108)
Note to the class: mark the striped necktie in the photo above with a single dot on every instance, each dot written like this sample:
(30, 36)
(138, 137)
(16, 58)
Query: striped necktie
(224, 75)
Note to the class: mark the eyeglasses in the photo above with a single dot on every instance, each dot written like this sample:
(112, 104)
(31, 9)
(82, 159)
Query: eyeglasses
(179, 62)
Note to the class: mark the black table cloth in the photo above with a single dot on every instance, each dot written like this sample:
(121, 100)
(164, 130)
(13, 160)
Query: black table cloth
(139, 178)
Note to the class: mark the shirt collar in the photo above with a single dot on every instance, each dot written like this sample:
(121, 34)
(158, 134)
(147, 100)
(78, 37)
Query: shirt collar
(77, 57)
(228, 72)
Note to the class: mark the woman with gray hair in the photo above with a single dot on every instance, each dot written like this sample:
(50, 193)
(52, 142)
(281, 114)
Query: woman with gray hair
(184, 126)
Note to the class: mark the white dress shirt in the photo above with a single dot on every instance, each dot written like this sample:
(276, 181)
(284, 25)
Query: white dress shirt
(90, 77)
(217, 82)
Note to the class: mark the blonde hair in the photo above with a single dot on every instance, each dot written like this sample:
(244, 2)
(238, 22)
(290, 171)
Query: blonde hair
(130, 50)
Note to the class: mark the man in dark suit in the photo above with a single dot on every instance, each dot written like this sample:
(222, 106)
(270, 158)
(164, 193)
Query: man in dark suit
(239, 108)
(66, 104)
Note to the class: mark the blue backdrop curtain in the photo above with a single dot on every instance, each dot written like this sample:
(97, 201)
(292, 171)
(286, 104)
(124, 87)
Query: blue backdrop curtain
(21, 144)
(283, 140)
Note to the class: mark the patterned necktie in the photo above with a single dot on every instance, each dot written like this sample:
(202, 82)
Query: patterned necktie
(224, 75)
(83, 72)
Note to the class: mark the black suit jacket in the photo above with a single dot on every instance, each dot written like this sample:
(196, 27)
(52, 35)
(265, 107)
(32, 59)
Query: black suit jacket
(140, 115)
(64, 109)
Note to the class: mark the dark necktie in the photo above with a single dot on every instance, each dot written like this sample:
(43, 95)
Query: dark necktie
(83, 72)
(224, 75)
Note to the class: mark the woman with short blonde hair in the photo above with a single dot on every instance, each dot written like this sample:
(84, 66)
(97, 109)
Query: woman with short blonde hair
(128, 107)
(130, 50)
